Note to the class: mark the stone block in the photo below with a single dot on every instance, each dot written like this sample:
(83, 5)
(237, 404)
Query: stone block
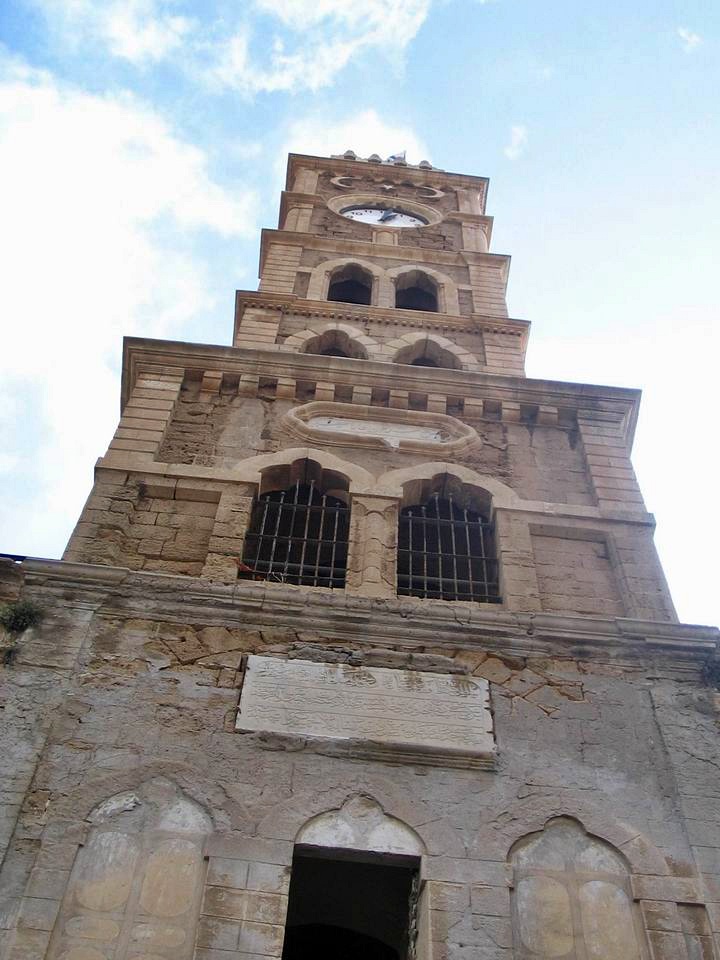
(227, 873)
(668, 946)
(218, 934)
(263, 939)
(37, 913)
(224, 902)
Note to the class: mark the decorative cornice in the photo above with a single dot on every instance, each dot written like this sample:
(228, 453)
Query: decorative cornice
(620, 403)
(402, 621)
(359, 167)
(392, 316)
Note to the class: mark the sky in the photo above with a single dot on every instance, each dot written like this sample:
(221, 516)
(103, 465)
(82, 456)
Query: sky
(143, 146)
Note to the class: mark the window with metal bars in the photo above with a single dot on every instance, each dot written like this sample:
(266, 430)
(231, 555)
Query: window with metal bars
(298, 535)
(446, 552)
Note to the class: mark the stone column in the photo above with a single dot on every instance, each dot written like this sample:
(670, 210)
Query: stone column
(371, 570)
(228, 534)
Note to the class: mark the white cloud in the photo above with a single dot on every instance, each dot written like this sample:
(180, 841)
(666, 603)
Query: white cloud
(310, 41)
(134, 30)
(373, 15)
(100, 199)
(321, 38)
(518, 142)
(8, 462)
(365, 133)
(690, 39)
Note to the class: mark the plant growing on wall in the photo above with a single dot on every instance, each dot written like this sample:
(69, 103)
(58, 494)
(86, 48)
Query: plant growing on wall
(15, 619)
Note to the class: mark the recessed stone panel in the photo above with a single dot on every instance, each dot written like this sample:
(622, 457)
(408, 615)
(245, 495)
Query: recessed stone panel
(422, 431)
(395, 715)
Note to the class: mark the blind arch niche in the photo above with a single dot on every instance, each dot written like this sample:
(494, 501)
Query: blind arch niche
(572, 897)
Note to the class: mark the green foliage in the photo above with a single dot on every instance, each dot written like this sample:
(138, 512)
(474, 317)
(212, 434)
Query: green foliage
(17, 617)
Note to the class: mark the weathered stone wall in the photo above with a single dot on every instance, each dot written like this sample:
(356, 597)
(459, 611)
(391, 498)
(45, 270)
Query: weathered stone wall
(218, 430)
(129, 688)
(577, 576)
(127, 522)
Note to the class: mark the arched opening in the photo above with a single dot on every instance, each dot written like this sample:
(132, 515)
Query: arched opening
(351, 284)
(342, 907)
(427, 353)
(299, 527)
(446, 543)
(414, 290)
(335, 343)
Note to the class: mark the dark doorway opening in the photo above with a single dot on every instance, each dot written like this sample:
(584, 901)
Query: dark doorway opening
(345, 909)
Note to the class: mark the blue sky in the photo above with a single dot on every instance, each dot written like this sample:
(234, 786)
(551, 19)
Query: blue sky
(143, 145)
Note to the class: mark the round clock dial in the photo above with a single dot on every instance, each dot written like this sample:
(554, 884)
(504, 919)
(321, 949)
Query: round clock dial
(385, 216)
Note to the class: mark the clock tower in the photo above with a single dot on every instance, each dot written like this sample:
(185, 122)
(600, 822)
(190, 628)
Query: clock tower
(361, 644)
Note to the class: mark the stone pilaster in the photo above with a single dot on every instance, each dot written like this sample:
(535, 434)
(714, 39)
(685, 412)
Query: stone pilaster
(611, 472)
(228, 534)
(371, 570)
(518, 576)
(146, 415)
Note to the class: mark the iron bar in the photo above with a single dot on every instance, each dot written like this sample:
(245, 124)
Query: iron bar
(306, 525)
(445, 551)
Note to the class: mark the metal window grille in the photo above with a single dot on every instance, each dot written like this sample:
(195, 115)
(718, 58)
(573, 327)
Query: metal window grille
(446, 552)
(298, 535)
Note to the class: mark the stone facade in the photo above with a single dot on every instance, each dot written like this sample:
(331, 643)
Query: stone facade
(559, 796)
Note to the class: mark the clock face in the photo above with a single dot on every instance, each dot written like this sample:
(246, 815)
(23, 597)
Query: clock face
(387, 216)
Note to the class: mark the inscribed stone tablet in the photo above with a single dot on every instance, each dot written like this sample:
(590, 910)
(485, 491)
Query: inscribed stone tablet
(395, 715)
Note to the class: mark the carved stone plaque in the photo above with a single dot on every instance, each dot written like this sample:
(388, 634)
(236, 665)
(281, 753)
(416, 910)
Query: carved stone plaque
(401, 716)
(392, 433)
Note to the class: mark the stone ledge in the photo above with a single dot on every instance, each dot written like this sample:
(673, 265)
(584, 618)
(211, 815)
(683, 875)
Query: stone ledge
(405, 621)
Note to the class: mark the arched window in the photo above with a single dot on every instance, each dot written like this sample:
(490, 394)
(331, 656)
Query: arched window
(335, 343)
(446, 545)
(350, 284)
(414, 290)
(298, 530)
(572, 897)
(427, 353)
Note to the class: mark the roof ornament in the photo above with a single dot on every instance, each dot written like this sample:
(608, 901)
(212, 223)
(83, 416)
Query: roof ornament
(342, 182)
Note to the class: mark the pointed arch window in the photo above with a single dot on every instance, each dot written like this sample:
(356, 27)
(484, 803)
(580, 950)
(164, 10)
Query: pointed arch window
(446, 547)
(351, 284)
(298, 529)
(415, 290)
(335, 343)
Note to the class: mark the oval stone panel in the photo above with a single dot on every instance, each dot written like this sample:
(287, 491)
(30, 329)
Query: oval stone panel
(106, 871)
(607, 922)
(169, 884)
(545, 916)
(82, 953)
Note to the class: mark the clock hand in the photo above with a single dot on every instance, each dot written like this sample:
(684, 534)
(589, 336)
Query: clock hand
(387, 215)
